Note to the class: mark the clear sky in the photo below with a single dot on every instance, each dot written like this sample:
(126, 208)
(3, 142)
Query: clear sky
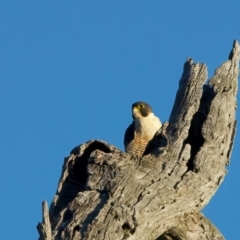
(69, 72)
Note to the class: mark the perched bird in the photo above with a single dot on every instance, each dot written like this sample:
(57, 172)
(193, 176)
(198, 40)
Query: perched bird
(141, 130)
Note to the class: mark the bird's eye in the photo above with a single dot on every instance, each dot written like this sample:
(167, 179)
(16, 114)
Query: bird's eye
(141, 106)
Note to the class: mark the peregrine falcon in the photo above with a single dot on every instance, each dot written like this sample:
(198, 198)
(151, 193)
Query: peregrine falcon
(141, 130)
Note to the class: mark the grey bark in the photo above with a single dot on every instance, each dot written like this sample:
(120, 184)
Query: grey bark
(104, 193)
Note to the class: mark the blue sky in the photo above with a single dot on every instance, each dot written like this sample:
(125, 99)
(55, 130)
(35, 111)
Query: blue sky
(69, 72)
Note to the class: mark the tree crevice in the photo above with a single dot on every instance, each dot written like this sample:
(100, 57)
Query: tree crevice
(195, 137)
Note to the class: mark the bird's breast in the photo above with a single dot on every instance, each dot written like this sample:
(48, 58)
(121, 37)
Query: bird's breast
(146, 127)
(138, 145)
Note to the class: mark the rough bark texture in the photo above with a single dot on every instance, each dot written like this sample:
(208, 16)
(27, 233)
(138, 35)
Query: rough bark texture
(104, 193)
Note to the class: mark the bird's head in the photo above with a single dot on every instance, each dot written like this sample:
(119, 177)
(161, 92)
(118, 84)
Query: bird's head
(140, 109)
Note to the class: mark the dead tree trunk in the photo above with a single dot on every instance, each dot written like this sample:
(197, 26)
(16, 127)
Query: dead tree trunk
(104, 193)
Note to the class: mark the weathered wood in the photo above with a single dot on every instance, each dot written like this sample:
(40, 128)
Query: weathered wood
(195, 227)
(44, 228)
(104, 193)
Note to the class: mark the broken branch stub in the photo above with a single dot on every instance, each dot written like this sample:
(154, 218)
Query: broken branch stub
(104, 193)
